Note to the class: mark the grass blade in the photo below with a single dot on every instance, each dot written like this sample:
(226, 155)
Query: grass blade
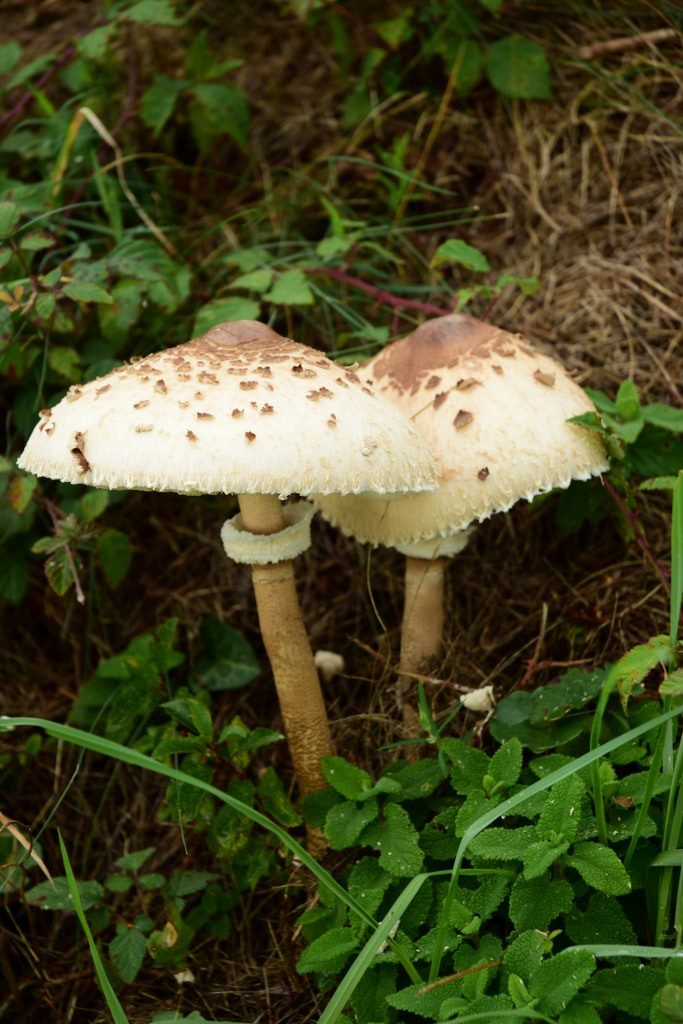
(114, 1005)
(644, 952)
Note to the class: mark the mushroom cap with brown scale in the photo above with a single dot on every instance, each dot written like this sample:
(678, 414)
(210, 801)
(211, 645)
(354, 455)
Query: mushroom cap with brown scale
(240, 410)
(494, 412)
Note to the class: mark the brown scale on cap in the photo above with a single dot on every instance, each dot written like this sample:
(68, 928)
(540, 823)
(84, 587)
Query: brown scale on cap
(266, 409)
(183, 405)
(160, 386)
(548, 379)
(250, 435)
(207, 378)
(462, 418)
(199, 395)
(141, 405)
(144, 428)
(190, 436)
(496, 367)
(237, 413)
(248, 385)
(440, 399)
(483, 473)
(264, 371)
(332, 421)
(204, 416)
(466, 383)
(73, 394)
(103, 390)
(433, 382)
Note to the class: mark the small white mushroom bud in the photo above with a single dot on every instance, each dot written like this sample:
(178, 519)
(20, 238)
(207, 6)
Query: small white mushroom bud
(329, 664)
(481, 700)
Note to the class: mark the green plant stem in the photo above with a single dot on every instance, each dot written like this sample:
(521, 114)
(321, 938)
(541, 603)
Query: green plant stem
(596, 729)
(652, 774)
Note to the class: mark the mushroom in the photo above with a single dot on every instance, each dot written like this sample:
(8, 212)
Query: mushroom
(494, 412)
(243, 411)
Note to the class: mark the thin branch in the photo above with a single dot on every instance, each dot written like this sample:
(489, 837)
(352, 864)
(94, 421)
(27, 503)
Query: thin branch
(640, 537)
(385, 298)
(623, 43)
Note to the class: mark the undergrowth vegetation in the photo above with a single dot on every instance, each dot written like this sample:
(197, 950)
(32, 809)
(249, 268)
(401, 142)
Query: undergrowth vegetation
(341, 171)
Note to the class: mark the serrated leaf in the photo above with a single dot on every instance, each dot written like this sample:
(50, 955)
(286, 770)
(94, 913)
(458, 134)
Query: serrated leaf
(558, 979)
(34, 241)
(94, 45)
(345, 822)
(290, 289)
(397, 840)
(535, 903)
(600, 868)
(224, 111)
(503, 843)
(185, 883)
(45, 305)
(275, 800)
(672, 686)
(603, 921)
(86, 291)
(519, 68)
(561, 814)
(506, 763)
(368, 883)
(20, 491)
(116, 555)
(55, 895)
(118, 883)
(151, 881)
(627, 402)
(127, 951)
(637, 663)
(524, 955)
(59, 570)
(329, 952)
(92, 505)
(352, 782)
(664, 416)
(670, 1003)
(469, 765)
(159, 100)
(221, 310)
(629, 987)
(454, 250)
(541, 855)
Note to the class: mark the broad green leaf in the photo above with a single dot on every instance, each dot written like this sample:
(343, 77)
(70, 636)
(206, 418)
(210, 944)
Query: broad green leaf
(600, 867)
(221, 109)
(59, 570)
(248, 259)
(627, 402)
(127, 951)
(64, 361)
(397, 840)
(45, 305)
(116, 555)
(158, 101)
(275, 800)
(352, 782)
(86, 291)
(456, 251)
(670, 1003)
(290, 289)
(519, 68)
(118, 883)
(537, 902)
(541, 855)
(524, 954)
(30, 70)
(561, 814)
(636, 664)
(368, 882)
(254, 281)
(672, 686)
(228, 661)
(330, 952)
(345, 822)
(56, 894)
(94, 45)
(503, 843)
(221, 310)
(9, 215)
(134, 861)
(151, 12)
(34, 241)
(469, 765)
(20, 491)
(186, 883)
(558, 979)
(506, 763)
(664, 416)
(10, 55)
(629, 987)
(603, 921)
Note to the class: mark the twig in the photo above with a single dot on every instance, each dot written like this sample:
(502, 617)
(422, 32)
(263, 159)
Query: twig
(634, 523)
(455, 977)
(385, 298)
(658, 35)
(26, 97)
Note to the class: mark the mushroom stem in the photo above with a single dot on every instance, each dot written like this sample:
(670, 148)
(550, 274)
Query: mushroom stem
(289, 651)
(422, 629)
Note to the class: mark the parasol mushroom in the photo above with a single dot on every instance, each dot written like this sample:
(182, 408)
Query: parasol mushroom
(494, 412)
(242, 411)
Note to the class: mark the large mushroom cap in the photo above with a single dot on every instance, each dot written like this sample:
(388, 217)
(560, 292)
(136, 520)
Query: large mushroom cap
(240, 410)
(494, 412)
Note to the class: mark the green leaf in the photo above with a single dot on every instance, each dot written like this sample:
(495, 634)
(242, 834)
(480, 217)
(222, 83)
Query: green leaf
(636, 664)
(221, 310)
(152, 880)
(159, 100)
(9, 215)
(503, 843)
(456, 251)
(329, 952)
(629, 987)
(118, 883)
(561, 814)
(600, 868)
(127, 951)
(397, 839)
(56, 895)
(603, 921)
(627, 402)
(664, 416)
(86, 291)
(186, 883)
(92, 505)
(45, 305)
(345, 822)
(152, 12)
(368, 882)
(94, 45)
(20, 491)
(275, 799)
(228, 661)
(224, 111)
(14, 575)
(536, 902)
(541, 855)
(248, 259)
(10, 55)
(30, 70)
(352, 782)
(524, 955)
(34, 241)
(469, 765)
(672, 686)
(579, 1012)
(506, 763)
(134, 861)
(290, 289)
(254, 281)
(519, 69)
(670, 1002)
(59, 571)
(116, 555)
(558, 979)
(64, 361)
